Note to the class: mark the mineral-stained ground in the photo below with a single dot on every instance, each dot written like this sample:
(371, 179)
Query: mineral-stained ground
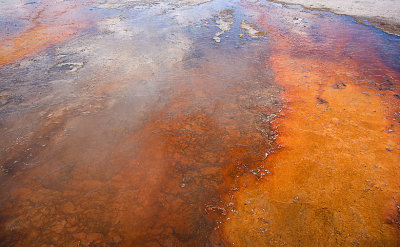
(196, 123)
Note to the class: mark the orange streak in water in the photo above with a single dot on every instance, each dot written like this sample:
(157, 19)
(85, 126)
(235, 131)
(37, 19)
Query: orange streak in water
(335, 177)
(50, 27)
(35, 40)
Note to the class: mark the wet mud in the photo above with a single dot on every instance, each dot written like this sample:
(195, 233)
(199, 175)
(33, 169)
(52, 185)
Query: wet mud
(197, 123)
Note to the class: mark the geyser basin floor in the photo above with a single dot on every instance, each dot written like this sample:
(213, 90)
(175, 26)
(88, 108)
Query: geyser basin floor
(196, 123)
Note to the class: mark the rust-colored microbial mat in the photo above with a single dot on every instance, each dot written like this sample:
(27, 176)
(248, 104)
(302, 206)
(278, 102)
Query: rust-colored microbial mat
(196, 123)
(47, 23)
(335, 179)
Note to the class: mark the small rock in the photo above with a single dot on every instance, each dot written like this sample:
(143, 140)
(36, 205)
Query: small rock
(339, 85)
(322, 101)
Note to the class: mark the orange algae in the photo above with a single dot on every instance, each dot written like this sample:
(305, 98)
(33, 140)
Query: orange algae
(334, 181)
(51, 24)
(34, 40)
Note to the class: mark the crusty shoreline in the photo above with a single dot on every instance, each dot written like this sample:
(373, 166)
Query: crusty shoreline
(385, 23)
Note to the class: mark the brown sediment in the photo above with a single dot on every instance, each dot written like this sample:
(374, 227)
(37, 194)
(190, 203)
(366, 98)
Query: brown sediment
(251, 29)
(50, 25)
(335, 180)
(224, 22)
